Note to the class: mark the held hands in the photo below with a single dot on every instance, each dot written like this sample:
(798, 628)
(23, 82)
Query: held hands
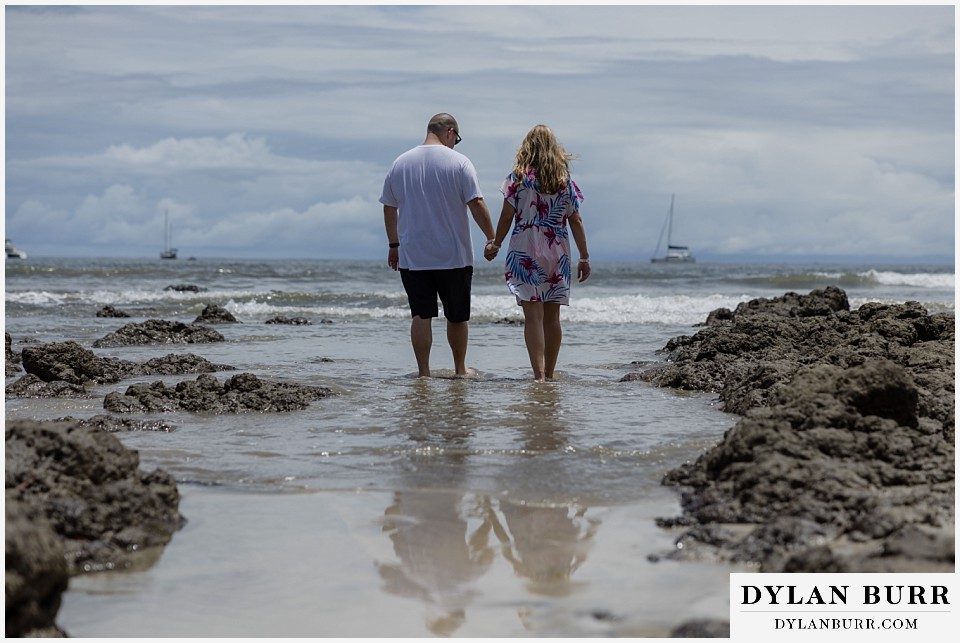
(490, 250)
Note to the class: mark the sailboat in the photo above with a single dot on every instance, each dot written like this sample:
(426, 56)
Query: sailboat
(675, 253)
(14, 252)
(168, 252)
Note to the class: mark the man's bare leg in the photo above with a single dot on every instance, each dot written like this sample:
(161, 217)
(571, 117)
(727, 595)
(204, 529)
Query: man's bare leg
(457, 335)
(421, 336)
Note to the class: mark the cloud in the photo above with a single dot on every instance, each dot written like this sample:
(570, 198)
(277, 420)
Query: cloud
(234, 152)
(803, 130)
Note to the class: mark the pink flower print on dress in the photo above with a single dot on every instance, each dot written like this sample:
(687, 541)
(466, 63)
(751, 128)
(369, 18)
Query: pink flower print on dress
(542, 206)
(551, 236)
(555, 278)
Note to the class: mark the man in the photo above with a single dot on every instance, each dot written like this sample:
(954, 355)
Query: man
(425, 198)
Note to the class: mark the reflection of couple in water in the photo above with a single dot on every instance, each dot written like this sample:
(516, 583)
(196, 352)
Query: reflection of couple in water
(442, 540)
(441, 534)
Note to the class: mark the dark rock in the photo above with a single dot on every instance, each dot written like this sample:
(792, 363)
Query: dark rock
(702, 629)
(185, 288)
(178, 364)
(818, 303)
(105, 512)
(70, 363)
(11, 359)
(240, 393)
(110, 311)
(215, 314)
(747, 359)
(815, 560)
(113, 424)
(295, 321)
(840, 451)
(157, 331)
(718, 316)
(844, 458)
(32, 386)
(36, 573)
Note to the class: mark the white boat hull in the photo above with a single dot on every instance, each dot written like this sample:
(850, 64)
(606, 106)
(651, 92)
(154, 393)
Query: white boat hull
(14, 252)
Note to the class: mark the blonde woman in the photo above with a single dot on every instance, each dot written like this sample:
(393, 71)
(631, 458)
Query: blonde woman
(542, 205)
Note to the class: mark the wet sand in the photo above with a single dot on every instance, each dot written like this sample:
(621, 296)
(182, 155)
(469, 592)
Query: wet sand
(434, 563)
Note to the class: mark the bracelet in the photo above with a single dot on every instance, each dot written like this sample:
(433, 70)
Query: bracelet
(491, 243)
(395, 244)
(586, 261)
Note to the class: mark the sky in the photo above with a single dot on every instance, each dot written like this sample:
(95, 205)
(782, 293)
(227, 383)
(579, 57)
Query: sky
(786, 133)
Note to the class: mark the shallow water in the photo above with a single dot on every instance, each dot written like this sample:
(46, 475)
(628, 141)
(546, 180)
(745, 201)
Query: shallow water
(482, 506)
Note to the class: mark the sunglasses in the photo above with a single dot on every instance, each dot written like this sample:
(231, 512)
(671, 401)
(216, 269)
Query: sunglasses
(456, 142)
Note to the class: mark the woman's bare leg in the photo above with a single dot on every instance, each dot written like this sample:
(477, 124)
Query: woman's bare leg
(533, 336)
(552, 337)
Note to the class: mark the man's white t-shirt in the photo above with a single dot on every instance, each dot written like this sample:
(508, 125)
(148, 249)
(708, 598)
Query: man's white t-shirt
(430, 185)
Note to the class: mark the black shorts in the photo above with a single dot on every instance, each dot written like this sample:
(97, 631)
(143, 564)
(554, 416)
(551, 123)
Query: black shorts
(451, 286)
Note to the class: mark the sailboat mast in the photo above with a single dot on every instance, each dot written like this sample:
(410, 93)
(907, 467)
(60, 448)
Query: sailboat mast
(670, 223)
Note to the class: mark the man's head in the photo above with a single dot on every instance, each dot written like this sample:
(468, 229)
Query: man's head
(445, 128)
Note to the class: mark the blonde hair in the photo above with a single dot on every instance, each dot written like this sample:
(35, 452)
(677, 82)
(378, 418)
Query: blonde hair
(541, 152)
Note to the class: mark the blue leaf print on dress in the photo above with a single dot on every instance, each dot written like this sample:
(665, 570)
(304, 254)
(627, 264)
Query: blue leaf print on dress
(564, 266)
(525, 268)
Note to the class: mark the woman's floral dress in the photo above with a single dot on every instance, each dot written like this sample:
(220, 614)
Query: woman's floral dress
(538, 258)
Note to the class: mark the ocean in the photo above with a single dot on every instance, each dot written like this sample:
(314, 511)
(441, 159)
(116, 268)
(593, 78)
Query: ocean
(487, 506)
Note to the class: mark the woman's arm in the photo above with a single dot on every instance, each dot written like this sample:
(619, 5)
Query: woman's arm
(580, 239)
(503, 229)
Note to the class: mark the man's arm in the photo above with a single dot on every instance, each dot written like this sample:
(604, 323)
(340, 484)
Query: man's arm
(390, 216)
(478, 208)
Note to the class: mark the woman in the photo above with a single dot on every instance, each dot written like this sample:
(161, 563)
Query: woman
(541, 200)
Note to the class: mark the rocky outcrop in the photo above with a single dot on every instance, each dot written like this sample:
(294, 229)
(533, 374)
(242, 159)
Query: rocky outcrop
(177, 364)
(158, 331)
(110, 311)
(844, 457)
(72, 363)
(241, 393)
(11, 359)
(76, 501)
(760, 348)
(63, 369)
(294, 321)
(215, 314)
(114, 424)
(36, 573)
(185, 288)
(32, 386)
